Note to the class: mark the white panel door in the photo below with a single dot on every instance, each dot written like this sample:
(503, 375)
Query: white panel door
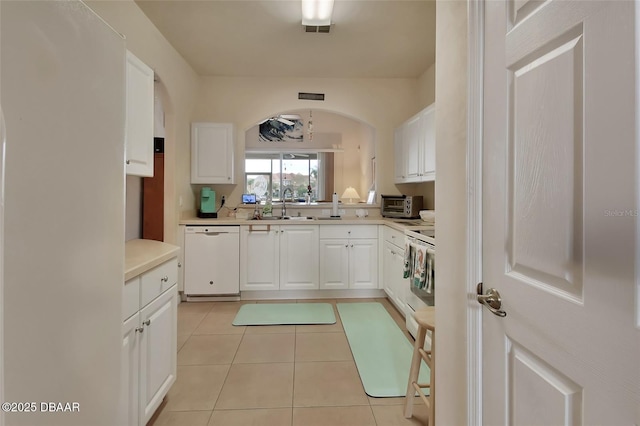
(363, 263)
(139, 128)
(299, 257)
(560, 214)
(130, 368)
(259, 257)
(334, 264)
(158, 351)
(212, 153)
(413, 137)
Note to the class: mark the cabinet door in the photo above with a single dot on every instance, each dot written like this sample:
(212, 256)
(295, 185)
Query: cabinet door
(129, 371)
(399, 156)
(412, 137)
(388, 278)
(429, 144)
(158, 346)
(299, 257)
(259, 258)
(212, 153)
(399, 283)
(363, 263)
(334, 264)
(139, 118)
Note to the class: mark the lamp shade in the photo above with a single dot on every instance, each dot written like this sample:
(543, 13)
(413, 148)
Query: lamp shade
(317, 12)
(351, 193)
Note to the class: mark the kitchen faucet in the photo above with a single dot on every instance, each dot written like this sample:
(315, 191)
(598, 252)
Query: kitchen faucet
(284, 198)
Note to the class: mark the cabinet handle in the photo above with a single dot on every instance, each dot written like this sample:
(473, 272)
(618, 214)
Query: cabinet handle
(147, 322)
(140, 330)
(164, 279)
(346, 245)
(351, 245)
(128, 161)
(179, 264)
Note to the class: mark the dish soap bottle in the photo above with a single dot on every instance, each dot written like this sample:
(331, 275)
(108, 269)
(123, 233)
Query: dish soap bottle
(267, 210)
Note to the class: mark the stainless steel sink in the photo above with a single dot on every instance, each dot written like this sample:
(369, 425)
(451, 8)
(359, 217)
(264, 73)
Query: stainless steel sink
(294, 218)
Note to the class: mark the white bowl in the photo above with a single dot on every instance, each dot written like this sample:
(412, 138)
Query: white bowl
(428, 215)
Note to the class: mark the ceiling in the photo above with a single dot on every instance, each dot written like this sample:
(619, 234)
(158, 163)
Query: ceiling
(368, 38)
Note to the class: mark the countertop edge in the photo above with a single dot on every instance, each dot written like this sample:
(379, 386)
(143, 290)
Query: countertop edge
(143, 255)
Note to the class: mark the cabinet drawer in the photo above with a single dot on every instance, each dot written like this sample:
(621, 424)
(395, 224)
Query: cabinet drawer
(348, 231)
(393, 236)
(158, 280)
(131, 298)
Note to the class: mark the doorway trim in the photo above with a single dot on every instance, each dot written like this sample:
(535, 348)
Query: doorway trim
(475, 95)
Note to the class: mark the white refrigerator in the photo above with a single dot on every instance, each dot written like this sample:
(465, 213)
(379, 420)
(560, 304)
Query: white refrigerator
(62, 91)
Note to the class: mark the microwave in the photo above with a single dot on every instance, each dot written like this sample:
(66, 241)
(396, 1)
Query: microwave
(403, 206)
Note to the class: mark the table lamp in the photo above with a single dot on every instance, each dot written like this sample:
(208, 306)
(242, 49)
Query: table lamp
(351, 193)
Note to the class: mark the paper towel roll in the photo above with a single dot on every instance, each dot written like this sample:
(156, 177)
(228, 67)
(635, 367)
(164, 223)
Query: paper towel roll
(334, 205)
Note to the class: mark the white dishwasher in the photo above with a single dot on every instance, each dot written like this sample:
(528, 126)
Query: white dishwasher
(211, 260)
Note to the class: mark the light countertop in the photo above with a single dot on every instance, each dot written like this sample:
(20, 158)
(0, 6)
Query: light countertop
(399, 224)
(142, 255)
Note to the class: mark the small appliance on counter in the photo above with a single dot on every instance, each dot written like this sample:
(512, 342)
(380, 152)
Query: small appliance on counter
(401, 206)
(207, 203)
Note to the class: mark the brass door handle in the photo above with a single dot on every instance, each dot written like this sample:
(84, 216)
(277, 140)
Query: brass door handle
(491, 300)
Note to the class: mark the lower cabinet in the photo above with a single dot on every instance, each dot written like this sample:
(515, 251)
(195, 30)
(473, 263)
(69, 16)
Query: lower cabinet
(394, 284)
(278, 257)
(149, 339)
(349, 257)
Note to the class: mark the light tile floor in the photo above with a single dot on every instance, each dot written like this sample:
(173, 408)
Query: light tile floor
(271, 375)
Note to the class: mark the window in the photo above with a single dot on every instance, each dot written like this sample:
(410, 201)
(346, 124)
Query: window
(271, 173)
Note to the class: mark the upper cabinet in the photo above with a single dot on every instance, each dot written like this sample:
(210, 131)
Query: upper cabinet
(212, 153)
(415, 148)
(139, 118)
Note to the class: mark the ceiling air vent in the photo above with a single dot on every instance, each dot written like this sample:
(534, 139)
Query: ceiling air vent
(317, 28)
(311, 96)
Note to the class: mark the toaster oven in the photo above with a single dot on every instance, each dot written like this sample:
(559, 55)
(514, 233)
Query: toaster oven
(401, 206)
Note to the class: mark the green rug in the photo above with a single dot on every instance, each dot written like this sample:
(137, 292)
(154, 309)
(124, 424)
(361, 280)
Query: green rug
(381, 350)
(285, 313)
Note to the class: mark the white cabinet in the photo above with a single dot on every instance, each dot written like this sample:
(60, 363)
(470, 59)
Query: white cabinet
(348, 257)
(414, 148)
(211, 260)
(280, 257)
(400, 169)
(129, 376)
(298, 257)
(260, 257)
(395, 285)
(212, 153)
(139, 118)
(158, 351)
(149, 338)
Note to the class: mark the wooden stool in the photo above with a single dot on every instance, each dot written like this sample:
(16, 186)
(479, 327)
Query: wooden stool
(426, 319)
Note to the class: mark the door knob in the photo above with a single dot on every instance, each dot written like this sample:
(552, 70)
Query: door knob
(491, 300)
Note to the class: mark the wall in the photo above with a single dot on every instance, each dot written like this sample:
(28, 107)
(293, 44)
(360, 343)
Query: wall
(427, 86)
(451, 140)
(178, 87)
(133, 208)
(381, 103)
(355, 139)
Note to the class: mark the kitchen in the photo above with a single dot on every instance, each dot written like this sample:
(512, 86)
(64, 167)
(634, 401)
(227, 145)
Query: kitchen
(182, 88)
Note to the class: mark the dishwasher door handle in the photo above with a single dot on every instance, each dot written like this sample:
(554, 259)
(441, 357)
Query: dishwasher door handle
(214, 234)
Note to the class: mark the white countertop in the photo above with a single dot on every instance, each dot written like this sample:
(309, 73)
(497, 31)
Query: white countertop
(142, 255)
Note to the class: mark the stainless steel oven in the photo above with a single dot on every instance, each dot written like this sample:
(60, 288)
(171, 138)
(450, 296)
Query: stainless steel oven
(421, 292)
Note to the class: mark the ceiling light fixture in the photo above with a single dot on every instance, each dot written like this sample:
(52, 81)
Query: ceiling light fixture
(317, 12)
